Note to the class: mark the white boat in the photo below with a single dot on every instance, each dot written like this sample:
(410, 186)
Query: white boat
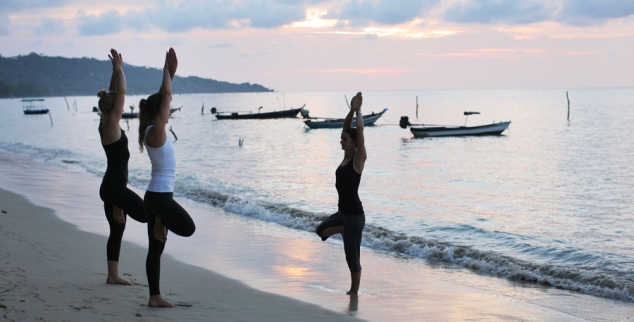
(337, 123)
(422, 130)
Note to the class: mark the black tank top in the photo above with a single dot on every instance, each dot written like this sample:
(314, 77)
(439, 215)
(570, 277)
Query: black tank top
(347, 184)
(118, 155)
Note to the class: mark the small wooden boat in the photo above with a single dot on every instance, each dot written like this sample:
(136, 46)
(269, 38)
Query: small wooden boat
(33, 106)
(422, 130)
(337, 123)
(250, 115)
(434, 131)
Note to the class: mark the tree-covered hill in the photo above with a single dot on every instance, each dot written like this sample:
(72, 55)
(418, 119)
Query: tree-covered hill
(34, 75)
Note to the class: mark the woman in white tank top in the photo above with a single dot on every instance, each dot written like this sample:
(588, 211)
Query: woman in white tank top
(164, 213)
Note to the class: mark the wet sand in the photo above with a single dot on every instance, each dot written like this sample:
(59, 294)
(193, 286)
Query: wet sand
(233, 268)
(54, 272)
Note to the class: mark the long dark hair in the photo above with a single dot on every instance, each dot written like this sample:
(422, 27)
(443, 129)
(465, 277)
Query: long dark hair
(148, 109)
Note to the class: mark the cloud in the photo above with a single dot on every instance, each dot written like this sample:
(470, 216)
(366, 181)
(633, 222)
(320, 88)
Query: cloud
(12, 6)
(594, 12)
(273, 15)
(106, 23)
(364, 71)
(221, 46)
(182, 16)
(189, 14)
(499, 11)
(495, 53)
(20, 5)
(256, 54)
(384, 12)
(366, 37)
(5, 23)
(50, 26)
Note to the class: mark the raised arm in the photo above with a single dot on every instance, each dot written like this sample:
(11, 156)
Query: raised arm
(171, 62)
(361, 155)
(117, 83)
(347, 123)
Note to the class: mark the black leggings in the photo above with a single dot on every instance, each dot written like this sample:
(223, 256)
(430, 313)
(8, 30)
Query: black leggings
(175, 219)
(352, 233)
(131, 203)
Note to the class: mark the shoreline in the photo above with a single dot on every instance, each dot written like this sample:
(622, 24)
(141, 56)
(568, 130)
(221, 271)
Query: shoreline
(262, 257)
(53, 271)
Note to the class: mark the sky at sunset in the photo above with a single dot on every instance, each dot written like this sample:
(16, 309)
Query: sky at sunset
(344, 45)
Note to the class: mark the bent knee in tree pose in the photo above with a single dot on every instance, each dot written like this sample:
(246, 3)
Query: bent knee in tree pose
(164, 213)
(118, 200)
(349, 221)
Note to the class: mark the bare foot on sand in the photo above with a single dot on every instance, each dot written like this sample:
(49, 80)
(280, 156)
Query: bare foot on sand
(160, 232)
(117, 280)
(158, 301)
(113, 274)
(118, 215)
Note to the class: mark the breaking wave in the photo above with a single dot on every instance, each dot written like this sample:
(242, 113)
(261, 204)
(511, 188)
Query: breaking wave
(587, 279)
(578, 271)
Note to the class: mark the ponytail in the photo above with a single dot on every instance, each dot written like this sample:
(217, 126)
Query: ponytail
(148, 109)
(143, 122)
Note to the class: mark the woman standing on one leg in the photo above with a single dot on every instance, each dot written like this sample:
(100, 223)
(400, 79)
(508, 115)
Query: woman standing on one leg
(164, 213)
(350, 219)
(117, 198)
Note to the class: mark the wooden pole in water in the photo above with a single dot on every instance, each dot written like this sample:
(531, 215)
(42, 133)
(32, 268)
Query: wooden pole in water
(67, 106)
(568, 106)
(416, 106)
(49, 116)
(174, 134)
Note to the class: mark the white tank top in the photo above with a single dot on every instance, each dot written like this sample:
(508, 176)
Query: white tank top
(163, 165)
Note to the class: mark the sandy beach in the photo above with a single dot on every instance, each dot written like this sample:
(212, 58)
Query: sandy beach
(52, 246)
(53, 272)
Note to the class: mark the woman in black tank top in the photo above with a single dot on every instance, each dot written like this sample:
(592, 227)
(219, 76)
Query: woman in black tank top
(118, 200)
(349, 221)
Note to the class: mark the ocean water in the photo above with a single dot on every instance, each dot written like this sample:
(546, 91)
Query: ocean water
(549, 202)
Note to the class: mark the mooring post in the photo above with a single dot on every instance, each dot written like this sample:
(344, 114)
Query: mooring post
(174, 134)
(416, 106)
(568, 106)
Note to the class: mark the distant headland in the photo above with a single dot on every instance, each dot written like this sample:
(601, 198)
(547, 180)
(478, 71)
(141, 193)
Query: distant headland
(35, 75)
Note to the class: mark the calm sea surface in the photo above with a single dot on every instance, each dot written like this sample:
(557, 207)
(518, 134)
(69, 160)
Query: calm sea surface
(548, 202)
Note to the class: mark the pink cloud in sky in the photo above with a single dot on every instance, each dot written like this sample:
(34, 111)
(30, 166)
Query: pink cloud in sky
(363, 71)
(582, 53)
(298, 45)
(496, 53)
